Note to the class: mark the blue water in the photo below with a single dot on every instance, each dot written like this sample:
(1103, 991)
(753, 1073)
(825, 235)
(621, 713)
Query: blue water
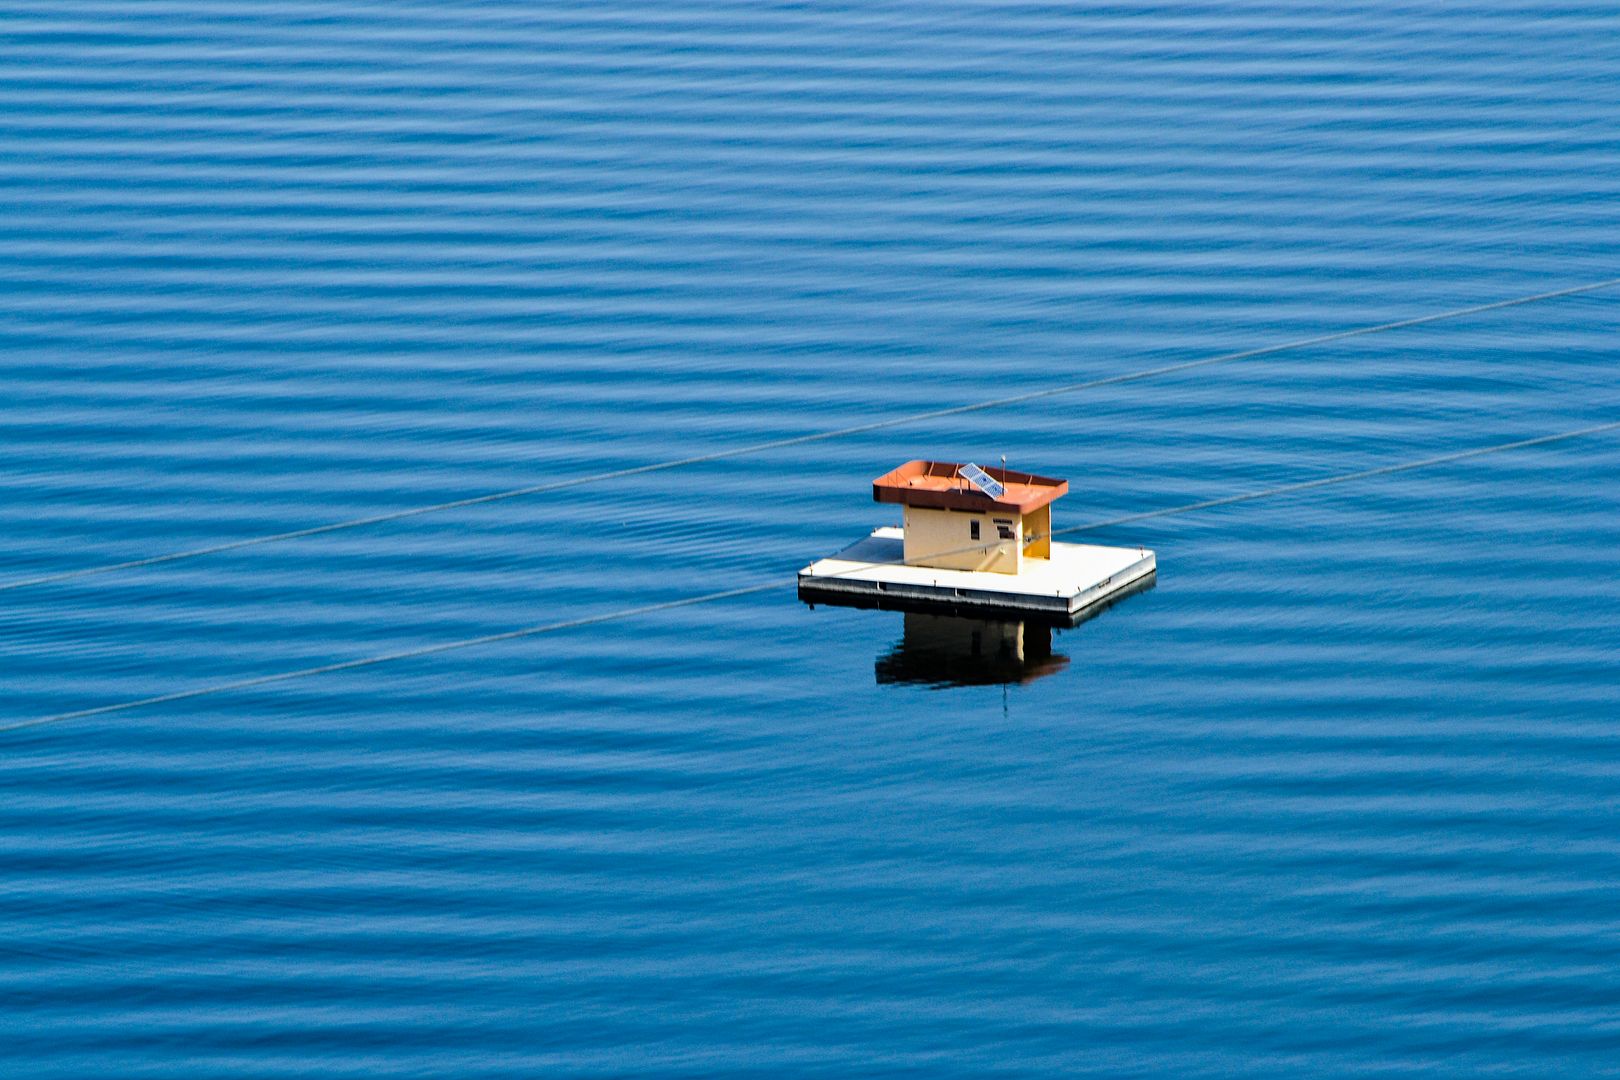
(1339, 797)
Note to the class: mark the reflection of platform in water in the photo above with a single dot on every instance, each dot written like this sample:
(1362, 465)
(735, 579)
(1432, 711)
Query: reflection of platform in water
(944, 650)
(963, 648)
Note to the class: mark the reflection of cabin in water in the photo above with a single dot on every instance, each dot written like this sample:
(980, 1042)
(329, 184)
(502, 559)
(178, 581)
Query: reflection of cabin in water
(939, 650)
(954, 523)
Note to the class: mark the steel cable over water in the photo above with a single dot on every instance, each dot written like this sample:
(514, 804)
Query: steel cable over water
(801, 440)
(778, 583)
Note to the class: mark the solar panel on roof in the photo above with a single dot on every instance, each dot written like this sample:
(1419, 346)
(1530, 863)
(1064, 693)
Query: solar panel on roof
(983, 480)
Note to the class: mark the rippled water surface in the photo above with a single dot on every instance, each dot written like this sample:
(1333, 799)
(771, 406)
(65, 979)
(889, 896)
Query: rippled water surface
(1340, 796)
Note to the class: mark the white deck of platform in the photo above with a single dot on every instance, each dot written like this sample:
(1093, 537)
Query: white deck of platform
(1075, 577)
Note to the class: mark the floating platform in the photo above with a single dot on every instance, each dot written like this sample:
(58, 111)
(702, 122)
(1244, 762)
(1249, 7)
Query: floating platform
(1076, 578)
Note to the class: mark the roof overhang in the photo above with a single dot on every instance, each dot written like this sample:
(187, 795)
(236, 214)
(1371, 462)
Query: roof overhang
(939, 485)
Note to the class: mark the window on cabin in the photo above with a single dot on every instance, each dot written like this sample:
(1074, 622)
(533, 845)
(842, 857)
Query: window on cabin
(973, 529)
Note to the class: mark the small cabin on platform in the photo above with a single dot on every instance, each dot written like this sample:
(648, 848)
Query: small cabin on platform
(962, 517)
(975, 540)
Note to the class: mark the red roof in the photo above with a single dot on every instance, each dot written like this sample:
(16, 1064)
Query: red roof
(940, 485)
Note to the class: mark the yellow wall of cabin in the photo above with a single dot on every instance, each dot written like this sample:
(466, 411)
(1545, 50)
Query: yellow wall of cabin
(1038, 524)
(935, 537)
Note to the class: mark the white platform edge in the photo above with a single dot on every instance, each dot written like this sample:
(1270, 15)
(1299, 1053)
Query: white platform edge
(1077, 577)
